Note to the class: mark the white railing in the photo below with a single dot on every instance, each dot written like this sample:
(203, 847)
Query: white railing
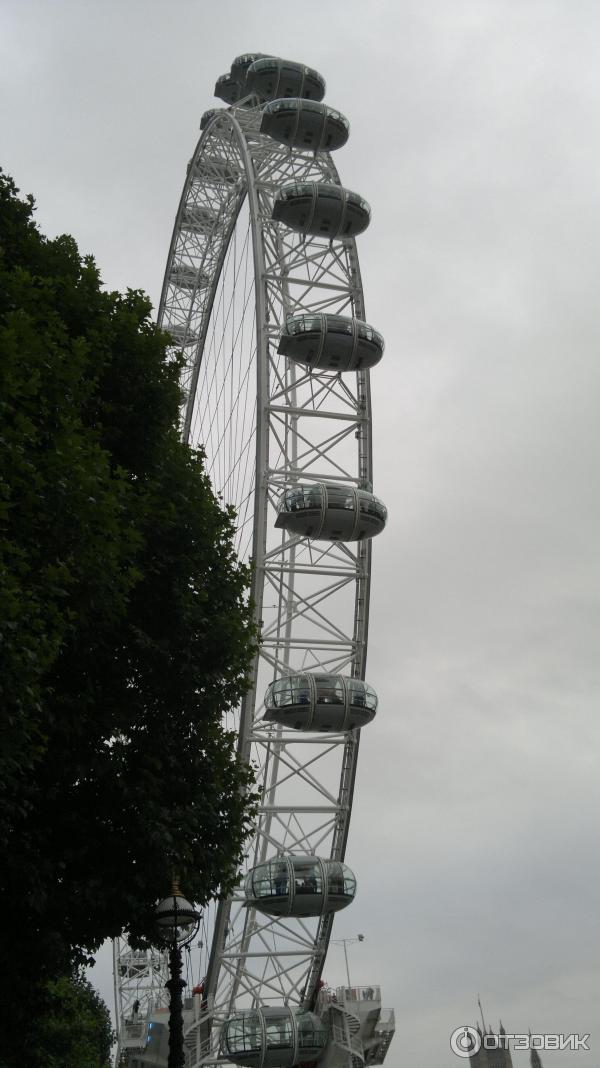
(347, 994)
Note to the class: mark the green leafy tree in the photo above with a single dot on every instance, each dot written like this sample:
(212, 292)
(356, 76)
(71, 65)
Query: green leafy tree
(125, 630)
(69, 1026)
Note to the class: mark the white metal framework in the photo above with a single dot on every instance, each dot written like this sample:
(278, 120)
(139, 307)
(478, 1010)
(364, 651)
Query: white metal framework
(233, 277)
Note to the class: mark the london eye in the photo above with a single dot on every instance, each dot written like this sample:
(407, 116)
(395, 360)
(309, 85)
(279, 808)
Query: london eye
(263, 294)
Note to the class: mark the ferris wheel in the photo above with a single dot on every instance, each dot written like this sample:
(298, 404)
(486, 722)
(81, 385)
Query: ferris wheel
(263, 294)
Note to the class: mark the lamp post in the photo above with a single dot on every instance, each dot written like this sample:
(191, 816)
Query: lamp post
(345, 942)
(179, 922)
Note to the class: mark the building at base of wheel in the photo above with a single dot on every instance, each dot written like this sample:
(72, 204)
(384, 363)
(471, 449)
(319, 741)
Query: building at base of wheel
(357, 1031)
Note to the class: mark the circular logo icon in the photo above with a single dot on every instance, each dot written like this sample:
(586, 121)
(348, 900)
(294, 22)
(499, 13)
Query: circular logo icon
(465, 1041)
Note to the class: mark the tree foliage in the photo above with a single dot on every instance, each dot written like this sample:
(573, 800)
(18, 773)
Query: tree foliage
(68, 1027)
(125, 631)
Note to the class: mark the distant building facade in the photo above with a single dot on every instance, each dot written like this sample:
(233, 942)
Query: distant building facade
(495, 1053)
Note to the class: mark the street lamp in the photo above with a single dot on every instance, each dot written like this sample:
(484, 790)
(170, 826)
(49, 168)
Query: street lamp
(345, 942)
(179, 922)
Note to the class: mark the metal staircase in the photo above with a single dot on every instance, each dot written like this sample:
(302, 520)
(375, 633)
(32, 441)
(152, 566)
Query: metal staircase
(344, 1032)
(360, 1031)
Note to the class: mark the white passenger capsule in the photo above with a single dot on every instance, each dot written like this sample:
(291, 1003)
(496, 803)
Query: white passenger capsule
(182, 336)
(197, 218)
(314, 702)
(321, 208)
(215, 170)
(276, 1037)
(305, 124)
(271, 78)
(228, 89)
(239, 67)
(209, 115)
(187, 277)
(331, 512)
(299, 885)
(331, 342)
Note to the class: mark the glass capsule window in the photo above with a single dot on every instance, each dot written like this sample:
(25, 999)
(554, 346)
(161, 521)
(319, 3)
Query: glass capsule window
(330, 192)
(280, 1032)
(307, 877)
(300, 498)
(337, 324)
(361, 695)
(297, 104)
(241, 63)
(311, 1032)
(293, 690)
(262, 885)
(335, 879)
(304, 325)
(275, 106)
(243, 1034)
(311, 107)
(340, 327)
(349, 882)
(279, 879)
(269, 880)
(337, 115)
(265, 64)
(330, 690)
(371, 505)
(327, 190)
(293, 500)
(295, 189)
(355, 198)
(340, 497)
(286, 75)
(341, 880)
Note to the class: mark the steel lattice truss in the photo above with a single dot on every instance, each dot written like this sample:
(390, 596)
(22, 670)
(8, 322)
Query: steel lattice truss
(233, 276)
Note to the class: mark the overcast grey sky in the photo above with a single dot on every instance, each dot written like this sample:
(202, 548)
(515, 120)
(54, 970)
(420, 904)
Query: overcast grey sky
(475, 139)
